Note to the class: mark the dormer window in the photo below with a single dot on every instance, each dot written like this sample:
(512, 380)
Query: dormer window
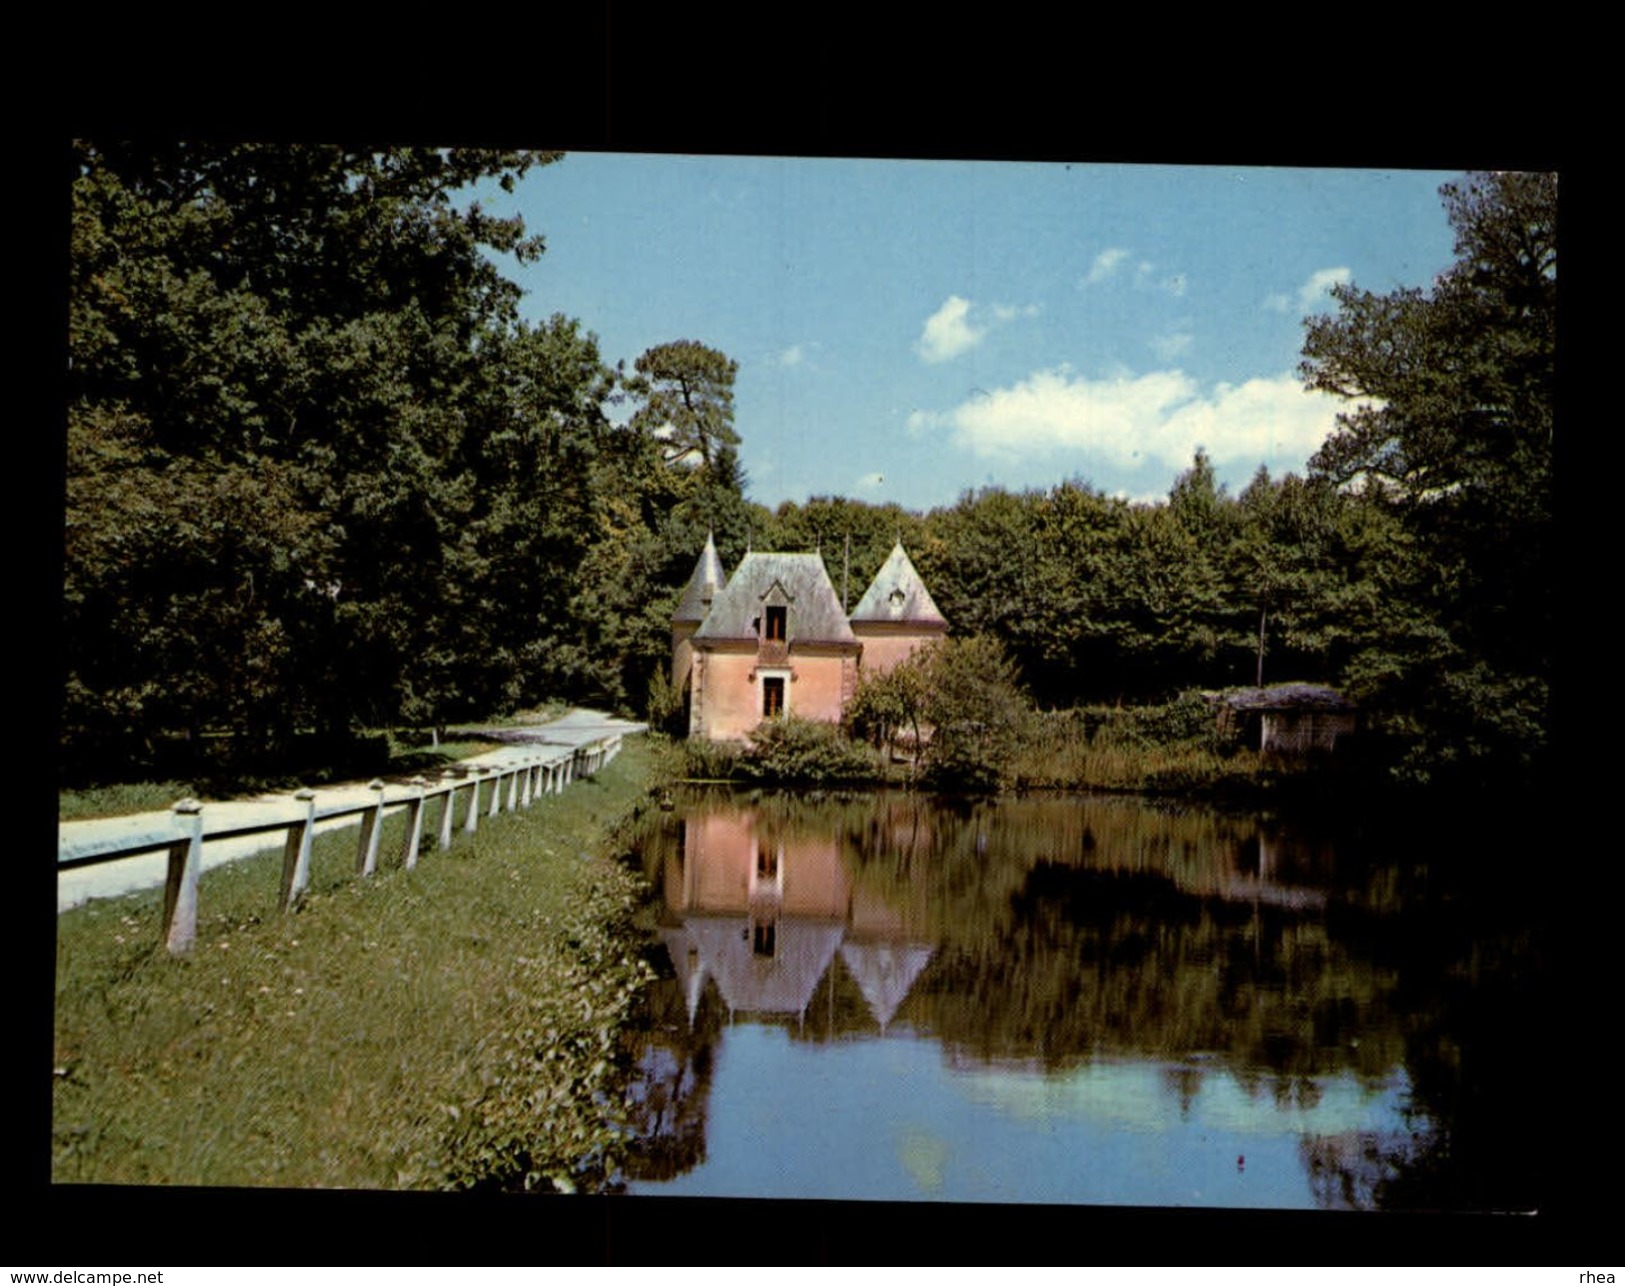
(897, 597)
(774, 629)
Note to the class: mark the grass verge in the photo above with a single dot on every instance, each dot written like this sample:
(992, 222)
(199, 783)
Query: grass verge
(450, 1026)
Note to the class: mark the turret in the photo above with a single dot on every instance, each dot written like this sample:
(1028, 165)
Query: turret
(703, 586)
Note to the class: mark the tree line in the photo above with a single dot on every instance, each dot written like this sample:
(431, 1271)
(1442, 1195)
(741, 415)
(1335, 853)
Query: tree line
(321, 476)
(1410, 565)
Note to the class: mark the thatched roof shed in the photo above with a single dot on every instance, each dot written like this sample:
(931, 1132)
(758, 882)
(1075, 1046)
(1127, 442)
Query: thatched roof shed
(1288, 718)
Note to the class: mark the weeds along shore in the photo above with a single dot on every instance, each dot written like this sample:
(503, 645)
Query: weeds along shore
(453, 1026)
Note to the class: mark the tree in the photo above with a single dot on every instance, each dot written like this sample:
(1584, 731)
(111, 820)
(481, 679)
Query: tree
(276, 362)
(1455, 390)
(886, 703)
(963, 703)
(976, 710)
(687, 395)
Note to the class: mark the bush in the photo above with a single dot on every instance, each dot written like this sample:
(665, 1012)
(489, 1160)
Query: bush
(667, 708)
(1188, 720)
(699, 760)
(793, 751)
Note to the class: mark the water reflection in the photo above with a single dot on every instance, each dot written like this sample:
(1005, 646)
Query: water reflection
(1078, 1000)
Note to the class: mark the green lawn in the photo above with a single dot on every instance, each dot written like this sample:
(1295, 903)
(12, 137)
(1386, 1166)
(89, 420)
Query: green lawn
(441, 1027)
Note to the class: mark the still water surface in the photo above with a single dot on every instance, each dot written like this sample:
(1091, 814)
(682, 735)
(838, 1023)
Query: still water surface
(1076, 1000)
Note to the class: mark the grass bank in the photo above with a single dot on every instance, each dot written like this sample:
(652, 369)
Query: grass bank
(450, 1026)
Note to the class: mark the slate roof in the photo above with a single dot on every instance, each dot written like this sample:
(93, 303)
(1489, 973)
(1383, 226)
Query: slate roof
(884, 972)
(1287, 696)
(897, 594)
(691, 607)
(815, 609)
(782, 983)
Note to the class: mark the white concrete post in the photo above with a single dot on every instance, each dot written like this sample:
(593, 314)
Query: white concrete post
(372, 822)
(296, 853)
(513, 790)
(450, 783)
(472, 822)
(524, 784)
(414, 825)
(180, 889)
(496, 791)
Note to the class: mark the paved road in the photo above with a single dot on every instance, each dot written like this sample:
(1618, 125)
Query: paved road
(113, 879)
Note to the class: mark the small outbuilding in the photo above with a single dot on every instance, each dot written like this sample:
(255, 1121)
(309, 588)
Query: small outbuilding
(1295, 719)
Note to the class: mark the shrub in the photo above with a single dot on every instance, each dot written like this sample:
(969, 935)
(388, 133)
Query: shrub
(794, 751)
(700, 760)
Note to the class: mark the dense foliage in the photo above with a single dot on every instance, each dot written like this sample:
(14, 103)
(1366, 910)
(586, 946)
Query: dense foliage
(1452, 436)
(957, 707)
(799, 752)
(321, 476)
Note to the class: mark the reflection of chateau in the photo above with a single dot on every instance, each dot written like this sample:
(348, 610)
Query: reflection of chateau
(1226, 959)
(763, 913)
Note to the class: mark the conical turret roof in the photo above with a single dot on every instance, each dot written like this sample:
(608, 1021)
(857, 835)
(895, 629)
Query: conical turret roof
(897, 594)
(705, 584)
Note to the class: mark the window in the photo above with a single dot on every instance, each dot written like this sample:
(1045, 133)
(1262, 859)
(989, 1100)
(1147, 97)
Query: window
(772, 697)
(776, 621)
(767, 860)
(764, 937)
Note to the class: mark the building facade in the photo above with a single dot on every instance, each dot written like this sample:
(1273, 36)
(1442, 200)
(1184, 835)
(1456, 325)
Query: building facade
(773, 639)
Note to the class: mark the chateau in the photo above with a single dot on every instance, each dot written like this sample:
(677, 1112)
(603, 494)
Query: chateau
(773, 639)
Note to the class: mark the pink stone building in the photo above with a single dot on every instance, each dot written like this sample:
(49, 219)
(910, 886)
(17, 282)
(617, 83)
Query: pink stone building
(773, 639)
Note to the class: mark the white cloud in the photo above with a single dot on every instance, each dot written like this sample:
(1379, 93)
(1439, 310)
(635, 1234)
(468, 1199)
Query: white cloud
(1312, 295)
(947, 332)
(950, 331)
(792, 356)
(921, 422)
(1158, 417)
(1314, 291)
(869, 482)
(1168, 347)
(1106, 263)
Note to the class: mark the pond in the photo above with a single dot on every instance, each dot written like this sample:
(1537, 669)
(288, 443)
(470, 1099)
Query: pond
(1079, 999)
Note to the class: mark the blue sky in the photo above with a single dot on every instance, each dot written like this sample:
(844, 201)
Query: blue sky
(906, 330)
